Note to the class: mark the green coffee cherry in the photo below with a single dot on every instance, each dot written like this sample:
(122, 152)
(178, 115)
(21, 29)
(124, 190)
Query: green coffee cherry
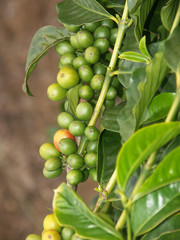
(55, 92)
(102, 32)
(86, 73)
(74, 177)
(85, 38)
(75, 161)
(97, 82)
(102, 44)
(33, 237)
(92, 54)
(64, 47)
(84, 111)
(77, 128)
(93, 174)
(67, 233)
(67, 146)
(52, 174)
(92, 26)
(92, 133)
(92, 146)
(64, 119)
(67, 59)
(79, 61)
(48, 150)
(111, 93)
(53, 164)
(90, 159)
(86, 92)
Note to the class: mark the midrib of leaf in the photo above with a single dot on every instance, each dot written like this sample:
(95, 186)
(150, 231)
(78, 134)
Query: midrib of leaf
(104, 224)
(91, 10)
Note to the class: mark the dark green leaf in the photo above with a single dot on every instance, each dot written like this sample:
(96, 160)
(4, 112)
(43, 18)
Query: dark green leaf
(44, 39)
(172, 49)
(78, 12)
(70, 210)
(167, 172)
(151, 210)
(137, 149)
(109, 121)
(134, 57)
(73, 99)
(155, 74)
(169, 226)
(159, 107)
(108, 148)
(168, 13)
(117, 5)
(139, 13)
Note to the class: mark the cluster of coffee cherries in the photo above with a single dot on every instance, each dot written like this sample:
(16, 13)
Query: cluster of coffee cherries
(83, 64)
(54, 231)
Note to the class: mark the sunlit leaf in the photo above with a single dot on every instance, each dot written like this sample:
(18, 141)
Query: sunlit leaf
(151, 210)
(137, 149)
(167, 172)
(70, 210)
(78, 12)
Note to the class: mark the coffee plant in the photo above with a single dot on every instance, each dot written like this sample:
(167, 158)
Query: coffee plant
(119, 64)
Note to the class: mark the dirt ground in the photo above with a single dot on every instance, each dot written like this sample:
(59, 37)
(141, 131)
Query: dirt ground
(25, 195)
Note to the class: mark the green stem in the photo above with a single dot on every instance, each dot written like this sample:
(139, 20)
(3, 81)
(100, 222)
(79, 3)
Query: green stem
(121, 31)
(176, 20)
(105, 192)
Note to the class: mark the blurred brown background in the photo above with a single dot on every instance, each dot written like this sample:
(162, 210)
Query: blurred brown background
(25, 195)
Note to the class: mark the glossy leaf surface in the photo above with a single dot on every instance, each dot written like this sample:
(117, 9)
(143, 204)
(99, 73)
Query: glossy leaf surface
(137, 149)
(169, 226)
(44, 39)
(159, 107)
(170, 236)
(73, 99)
(70, 210)
(172, 49)
(78, 12)
(168, 13)
(154, 208)
(167, 172)
(108, 148)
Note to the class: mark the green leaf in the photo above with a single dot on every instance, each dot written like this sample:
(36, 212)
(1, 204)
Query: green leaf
(108, 148)
(139, 11)
(78, 12)
(155, 74)
(167, 172)
(168, 13)
(73, 99)
(143, 48)
(172, 49)
(70, 210)
(159, 107)
(137, 149)
(169, 226)
(109, 120)
(151, 210)
(170, 236)
(134, 57)
(44, 39)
